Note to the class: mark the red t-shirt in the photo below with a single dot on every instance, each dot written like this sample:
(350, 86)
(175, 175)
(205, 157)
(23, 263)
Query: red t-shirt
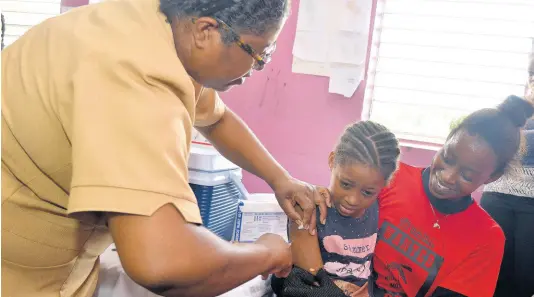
(413, 257)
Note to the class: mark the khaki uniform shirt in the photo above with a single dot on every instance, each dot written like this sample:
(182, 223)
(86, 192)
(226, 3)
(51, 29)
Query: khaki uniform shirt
(97, 113)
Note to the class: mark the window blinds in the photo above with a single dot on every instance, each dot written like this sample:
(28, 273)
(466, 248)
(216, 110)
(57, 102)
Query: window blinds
(21, 15)
(435, 61)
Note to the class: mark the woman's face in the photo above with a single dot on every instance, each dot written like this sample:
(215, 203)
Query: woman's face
(235, 64)
(463, 164)
(215, 64)
(354, 187)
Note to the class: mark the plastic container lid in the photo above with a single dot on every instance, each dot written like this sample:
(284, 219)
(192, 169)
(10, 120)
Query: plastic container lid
(206, 178)
(204, 157)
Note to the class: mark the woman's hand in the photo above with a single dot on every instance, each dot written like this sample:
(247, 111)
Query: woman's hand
(325, 194)
(281, 255)
(291, 192)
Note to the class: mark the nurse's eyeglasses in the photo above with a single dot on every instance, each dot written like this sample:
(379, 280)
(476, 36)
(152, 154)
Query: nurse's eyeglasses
(259, 59)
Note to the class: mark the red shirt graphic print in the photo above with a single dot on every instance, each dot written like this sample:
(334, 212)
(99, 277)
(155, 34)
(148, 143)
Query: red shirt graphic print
(413, 256)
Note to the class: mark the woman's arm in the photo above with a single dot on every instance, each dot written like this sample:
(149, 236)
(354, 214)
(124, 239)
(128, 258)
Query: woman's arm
(234, 140)
(171, 257)
(305, 248)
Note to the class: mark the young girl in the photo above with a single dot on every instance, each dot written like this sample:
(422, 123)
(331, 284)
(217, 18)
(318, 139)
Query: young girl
(362, 163)
(434, 240)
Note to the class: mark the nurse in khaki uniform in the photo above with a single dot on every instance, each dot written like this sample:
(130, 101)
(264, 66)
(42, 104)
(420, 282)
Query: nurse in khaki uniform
(97, 110)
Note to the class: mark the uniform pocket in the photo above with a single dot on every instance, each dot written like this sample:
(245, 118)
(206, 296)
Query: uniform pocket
(19, 280)
(38, 234)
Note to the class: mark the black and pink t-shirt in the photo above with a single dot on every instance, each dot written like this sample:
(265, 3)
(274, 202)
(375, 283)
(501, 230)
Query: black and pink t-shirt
(347, 245)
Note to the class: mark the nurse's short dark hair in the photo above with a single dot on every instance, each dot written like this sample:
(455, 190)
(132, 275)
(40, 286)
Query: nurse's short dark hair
(371, 144)
(255, 17)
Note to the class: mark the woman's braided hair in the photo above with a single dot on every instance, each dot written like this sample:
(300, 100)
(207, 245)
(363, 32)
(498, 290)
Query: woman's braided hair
(371, 144)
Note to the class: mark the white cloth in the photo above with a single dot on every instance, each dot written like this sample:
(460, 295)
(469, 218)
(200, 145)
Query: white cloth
(114, 282)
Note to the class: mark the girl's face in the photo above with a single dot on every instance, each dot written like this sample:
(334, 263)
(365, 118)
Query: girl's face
(354, 187)
(463, 164)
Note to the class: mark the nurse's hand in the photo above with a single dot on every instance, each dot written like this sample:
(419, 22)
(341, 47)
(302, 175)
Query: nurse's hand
(281, 254)
(291, 192)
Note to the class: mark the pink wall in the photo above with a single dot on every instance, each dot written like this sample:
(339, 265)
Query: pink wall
(294, 115)
(67, 4)
(296, 118)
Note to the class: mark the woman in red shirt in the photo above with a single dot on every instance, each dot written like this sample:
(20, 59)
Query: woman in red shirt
(434, 240)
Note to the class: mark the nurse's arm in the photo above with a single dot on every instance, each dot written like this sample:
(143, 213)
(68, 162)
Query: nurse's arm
(171, 257)
(234, 140)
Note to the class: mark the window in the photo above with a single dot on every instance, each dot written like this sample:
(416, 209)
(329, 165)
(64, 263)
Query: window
(21, 15)
(435, 61)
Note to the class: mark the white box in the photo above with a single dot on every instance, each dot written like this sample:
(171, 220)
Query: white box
(257, 215)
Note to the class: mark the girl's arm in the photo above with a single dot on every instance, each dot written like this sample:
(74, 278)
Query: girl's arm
(305, 247)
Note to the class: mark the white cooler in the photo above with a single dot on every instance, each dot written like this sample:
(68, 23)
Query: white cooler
(217, 185)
